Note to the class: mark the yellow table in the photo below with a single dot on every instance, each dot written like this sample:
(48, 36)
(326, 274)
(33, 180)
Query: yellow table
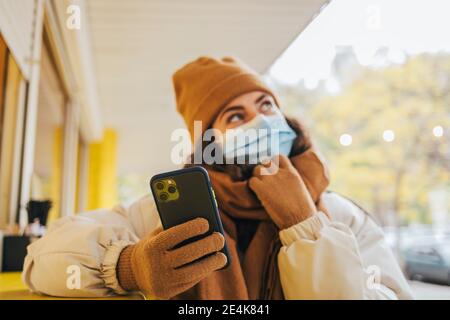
(12, 288)
(11, 281)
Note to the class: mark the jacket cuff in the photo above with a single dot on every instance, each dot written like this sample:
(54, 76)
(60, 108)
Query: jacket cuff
(108, 269)
(308, 229)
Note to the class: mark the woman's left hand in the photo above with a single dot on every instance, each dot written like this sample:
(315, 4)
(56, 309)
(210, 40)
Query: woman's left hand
(282, 192)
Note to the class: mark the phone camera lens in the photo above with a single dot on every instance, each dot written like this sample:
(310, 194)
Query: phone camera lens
(172, 189)
(164, 196)
(159, 185)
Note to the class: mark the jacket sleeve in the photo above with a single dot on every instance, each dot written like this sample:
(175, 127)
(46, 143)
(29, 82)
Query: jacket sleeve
(78, 255)
(345, 257)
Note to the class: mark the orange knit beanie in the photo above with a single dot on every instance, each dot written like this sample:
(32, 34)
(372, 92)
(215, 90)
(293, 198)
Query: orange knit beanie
(204, 86)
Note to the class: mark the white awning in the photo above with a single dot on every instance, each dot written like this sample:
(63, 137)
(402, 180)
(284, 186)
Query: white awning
(138, 44)
(16, 26)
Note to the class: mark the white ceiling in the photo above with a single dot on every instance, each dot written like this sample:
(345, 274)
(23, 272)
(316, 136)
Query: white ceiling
(138, 44)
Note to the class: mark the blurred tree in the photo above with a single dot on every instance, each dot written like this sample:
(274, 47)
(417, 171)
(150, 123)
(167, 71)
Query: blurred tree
(390, 179)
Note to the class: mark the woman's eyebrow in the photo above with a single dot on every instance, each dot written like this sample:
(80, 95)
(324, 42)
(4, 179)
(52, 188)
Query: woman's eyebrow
(260, 98)
(233, 108)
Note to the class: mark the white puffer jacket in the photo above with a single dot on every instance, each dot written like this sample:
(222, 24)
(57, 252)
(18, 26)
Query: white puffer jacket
(345, 257)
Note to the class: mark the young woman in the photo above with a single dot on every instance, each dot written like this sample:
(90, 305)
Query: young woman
(288, 238)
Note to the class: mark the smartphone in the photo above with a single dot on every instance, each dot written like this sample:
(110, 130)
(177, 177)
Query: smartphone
(186, 194)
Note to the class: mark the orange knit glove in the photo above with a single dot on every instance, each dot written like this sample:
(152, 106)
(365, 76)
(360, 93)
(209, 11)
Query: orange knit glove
(283, 193)
(154, 267)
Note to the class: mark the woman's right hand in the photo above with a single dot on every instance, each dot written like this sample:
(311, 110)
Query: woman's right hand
(154, 267)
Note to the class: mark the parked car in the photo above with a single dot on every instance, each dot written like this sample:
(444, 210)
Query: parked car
(429, 261)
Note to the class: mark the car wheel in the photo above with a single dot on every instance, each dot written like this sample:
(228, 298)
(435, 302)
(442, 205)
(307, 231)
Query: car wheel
(408, 274)
(417, 277)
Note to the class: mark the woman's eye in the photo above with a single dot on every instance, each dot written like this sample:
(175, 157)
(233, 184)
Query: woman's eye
(235, 118)
(266, 106)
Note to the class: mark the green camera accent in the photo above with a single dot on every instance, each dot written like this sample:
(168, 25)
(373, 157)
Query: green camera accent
(166, 190)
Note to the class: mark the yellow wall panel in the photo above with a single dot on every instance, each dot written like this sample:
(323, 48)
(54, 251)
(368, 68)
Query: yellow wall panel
(56, 178)
(102, 181)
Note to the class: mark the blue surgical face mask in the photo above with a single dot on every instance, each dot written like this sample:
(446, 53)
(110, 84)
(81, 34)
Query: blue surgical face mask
(263, 137)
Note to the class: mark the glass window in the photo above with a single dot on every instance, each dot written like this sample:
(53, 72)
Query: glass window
(48, 167)
(377, 102)
(3, 62)
(12, 82)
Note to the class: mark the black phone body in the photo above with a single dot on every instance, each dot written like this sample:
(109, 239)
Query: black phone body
(186, 194)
